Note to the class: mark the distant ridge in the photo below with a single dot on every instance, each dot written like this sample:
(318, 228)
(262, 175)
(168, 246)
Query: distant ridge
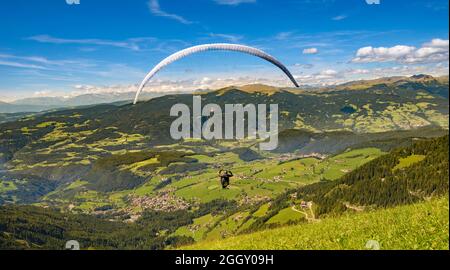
(438, 85)
(395, 80)
(252, 88)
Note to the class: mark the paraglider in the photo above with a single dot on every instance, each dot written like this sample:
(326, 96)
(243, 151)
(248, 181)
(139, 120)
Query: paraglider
(225, 178)
(215, 46)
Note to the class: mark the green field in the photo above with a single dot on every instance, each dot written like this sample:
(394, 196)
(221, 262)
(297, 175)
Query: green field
(259, 179)
(408, 161)
(338, 165)
(418, 226)
(269, 177)
(199, 227)
(284, 216)
(7, 186)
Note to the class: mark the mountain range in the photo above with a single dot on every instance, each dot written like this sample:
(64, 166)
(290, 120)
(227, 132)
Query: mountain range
(114, 167)
(37, 104)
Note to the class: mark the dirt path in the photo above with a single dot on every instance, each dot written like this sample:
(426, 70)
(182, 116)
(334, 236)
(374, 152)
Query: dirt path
(309, 217)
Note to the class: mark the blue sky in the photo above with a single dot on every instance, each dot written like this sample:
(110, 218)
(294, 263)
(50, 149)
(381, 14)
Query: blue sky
(53, 48)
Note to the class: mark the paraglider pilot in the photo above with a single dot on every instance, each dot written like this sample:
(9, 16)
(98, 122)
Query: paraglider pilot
(225, 178)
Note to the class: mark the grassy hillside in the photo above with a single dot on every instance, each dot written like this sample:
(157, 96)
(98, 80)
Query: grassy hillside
(417, 226)
(406, 175)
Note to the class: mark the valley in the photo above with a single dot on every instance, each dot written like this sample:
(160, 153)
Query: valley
(367, 150)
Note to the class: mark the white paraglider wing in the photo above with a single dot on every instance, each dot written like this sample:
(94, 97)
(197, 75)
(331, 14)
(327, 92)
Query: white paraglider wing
(216, 46)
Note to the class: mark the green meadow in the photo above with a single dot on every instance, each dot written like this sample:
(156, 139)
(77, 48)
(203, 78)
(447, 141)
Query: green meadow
(421, 226)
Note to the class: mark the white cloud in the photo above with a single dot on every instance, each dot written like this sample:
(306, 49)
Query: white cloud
(305, 66)
(120, 44)
(381, 54)
(95, 89)
(42, 93)
(310, 51)
(19, 65)
(326, 74)
(228, 37)
(155, 9)
(323, 77)
(37, 59)
(43, 63)
(409, 70)
(134, 44)
(234, 2)
(65, 68)
(437, 50)
(180, 85)
(339, 18)
(283, 35)
(358, 71)
(437, 42)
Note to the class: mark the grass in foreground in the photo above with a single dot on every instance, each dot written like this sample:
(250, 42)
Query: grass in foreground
(419, 226)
